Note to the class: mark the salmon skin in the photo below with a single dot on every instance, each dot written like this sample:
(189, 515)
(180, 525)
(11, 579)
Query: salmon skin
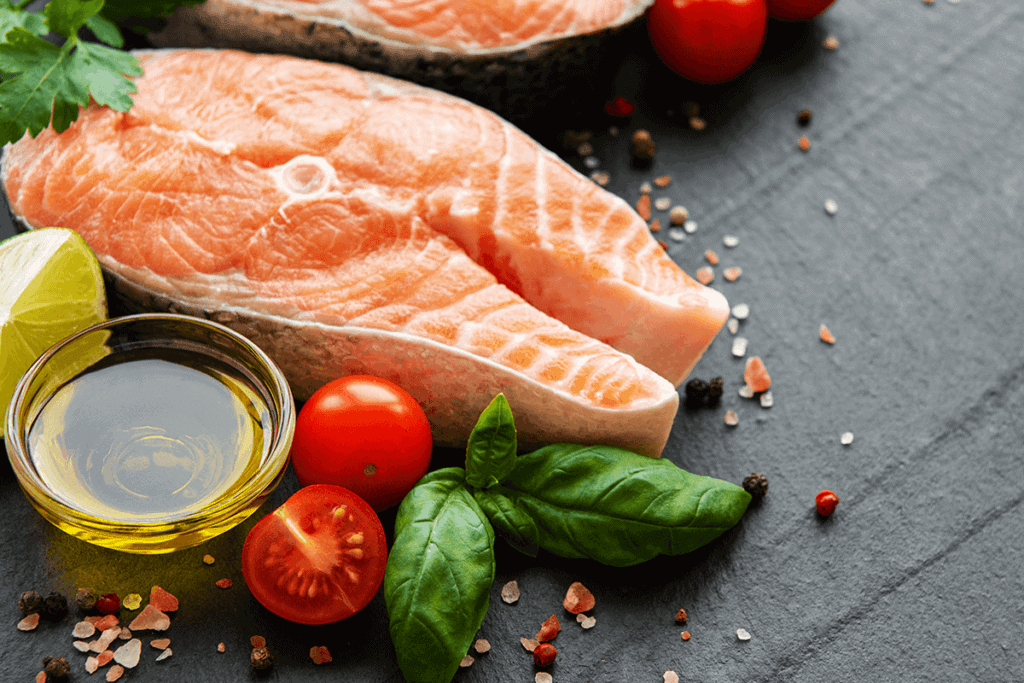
(348, 223)
(516, 57)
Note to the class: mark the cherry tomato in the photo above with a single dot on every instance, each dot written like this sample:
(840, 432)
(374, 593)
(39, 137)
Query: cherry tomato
(318, 558)
(708, 41)
(366, 434)
(797, 10)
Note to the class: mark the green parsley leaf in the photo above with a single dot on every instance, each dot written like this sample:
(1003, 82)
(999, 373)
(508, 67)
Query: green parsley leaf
(41, 85)
(105, 30)
(67, 16)
(104, 70)
(10, 17)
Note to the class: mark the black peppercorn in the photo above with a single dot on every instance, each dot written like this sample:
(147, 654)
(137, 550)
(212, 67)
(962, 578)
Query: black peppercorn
(56, 667)
(642, 146)
(86, 599)
(696, 393)
(804, 117)
(715, 389)
(261, 659)
(55, 606)
(756, 485)
(30, 602)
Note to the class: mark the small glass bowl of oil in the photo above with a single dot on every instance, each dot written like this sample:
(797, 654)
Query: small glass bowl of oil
(150, 433)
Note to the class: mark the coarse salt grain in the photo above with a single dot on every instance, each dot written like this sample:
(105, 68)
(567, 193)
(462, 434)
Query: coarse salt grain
(602, 178)
(705, 275)
(41, 677)
(81, 645)
(221, 647)
(91, 664)
(741, 311)
(767, 400)
(733, 325)
(585, 149)
(711, 257)
(482, 645)
(663, 180)
(732, 274)
(755, 374)
(160, 643)
(150, 619)
(831, 207)
(543, 677)
(128, 654)
(578, 599)
(670, 677)
(655, 225)
(591, 162)
(731, 419)
(320, 654)
(467, 661)
(104, 658)
(690, 226)
(588, 622)
(846, 439)
(697, 123)
(105, 639)
(510, 592)
(739, 347)
(643, 206)
(662, 203)
(29, 623)
(162, 600)
(742, 634)
(831, 43)
(826, 335)
(109, 621)
(746, 391)
(164, 655)
(115, 673)
(804, 143)
(677, 234)
(529, 644)
(678, 215)
(257, 641)
(83, 629)
(686, 634)
(730, 241)
(645, 188)
(125, 633)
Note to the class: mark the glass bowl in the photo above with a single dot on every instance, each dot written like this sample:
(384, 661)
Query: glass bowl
(150, 433)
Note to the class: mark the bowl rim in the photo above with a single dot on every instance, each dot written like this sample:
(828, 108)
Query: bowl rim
(215, 512)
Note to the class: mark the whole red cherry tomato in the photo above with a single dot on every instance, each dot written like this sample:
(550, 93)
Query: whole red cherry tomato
(797, 10)
(366, 434)
(708, 41)
(318, 558)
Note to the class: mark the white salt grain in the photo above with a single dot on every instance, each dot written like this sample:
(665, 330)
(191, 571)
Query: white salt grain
(733, 325)
(741, 311)
(83, 629)
(846, 439)
(831, 207)
(588, 622)
(676, 234)
(671, 677)
(690, 226)
(662, 203)
(510, 592)
(746, 391)
(731, 418)
(742, 634)
(739, 347)
(730, 241)
(543, 677)
(767, 401)
(591, 162)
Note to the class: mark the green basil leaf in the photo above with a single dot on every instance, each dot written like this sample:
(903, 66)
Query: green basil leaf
(491, 451)
(509, 521)
(439, 574)
(617, 507)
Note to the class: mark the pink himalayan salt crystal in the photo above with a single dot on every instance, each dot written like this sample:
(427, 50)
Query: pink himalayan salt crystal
(125, 633)
(150, 619)
(83, 629)
(467, 661)
(160, 643)
(671, 677)
(128, 654)
(164, 655)
(220, 647)
(105, 639)
(109, 621)
(29, 623)
(115, 673)
(104, 658)
(578, 599)
(320, 654)
(162, 600)
(91, 664)
(705, 275)
(510, 592)
(529, 644)
(81, 645)
(41, 677)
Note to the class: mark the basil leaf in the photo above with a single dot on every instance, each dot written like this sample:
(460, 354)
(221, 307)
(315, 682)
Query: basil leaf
(510, 522)
(491, 451)
(617, 507)
(438, 579)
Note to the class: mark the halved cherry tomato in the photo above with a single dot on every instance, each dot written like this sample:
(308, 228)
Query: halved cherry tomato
(797, 10)
(317, 559)
(366, 434)
(708, 41)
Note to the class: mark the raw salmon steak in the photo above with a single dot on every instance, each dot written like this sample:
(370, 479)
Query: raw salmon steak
(348, 223)
(514, 56)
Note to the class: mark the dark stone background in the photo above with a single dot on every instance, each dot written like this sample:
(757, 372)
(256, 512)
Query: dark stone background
(918, 135)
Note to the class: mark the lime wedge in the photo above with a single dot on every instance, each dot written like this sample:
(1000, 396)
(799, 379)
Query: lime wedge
(50, 287)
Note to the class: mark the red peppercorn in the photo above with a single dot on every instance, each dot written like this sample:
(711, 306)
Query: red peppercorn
(620, 107)
(108, 603)
(544, 654)
(826, 502)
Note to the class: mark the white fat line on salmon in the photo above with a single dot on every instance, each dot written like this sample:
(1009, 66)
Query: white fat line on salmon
(222, 147)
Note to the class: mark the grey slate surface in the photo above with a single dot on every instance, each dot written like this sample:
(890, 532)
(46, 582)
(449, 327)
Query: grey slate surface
(918, 135)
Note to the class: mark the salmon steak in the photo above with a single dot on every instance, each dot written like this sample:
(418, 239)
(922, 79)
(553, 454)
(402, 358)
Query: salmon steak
(514, 56)
(351, 223)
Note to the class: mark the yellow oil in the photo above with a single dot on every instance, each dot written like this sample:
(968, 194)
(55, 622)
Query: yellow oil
(150, 437)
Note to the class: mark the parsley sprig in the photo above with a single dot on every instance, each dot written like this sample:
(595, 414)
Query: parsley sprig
(45, 84)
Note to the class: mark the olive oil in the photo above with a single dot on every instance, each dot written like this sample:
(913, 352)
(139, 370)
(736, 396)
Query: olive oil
(154, 435)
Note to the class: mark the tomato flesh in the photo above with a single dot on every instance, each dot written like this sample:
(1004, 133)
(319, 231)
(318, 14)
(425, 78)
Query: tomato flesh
(708, 41)
(366, 434)
(797, 10)
(317, 559)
